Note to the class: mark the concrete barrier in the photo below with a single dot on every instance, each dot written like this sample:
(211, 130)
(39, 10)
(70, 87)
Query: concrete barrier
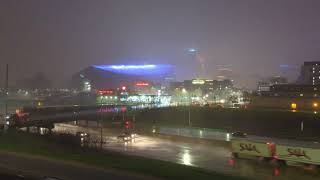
(202, 133)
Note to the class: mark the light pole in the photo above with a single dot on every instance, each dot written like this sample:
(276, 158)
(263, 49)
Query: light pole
(185, 95)
(7, 89)
(6, 119)
(189, 116)
(101, 127)
(134, 122)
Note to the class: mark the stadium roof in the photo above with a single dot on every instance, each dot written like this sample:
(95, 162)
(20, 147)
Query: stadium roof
(137, 69)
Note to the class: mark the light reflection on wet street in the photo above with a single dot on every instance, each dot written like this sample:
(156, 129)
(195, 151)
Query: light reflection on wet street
(213, 156)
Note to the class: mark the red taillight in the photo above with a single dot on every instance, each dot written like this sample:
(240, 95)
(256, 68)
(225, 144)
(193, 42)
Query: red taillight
(127, 124)
(276, 171)
(232, 162)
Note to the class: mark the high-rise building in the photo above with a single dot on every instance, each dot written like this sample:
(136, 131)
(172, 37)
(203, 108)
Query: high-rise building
(265, 84)
(310, 73)
(225, 72)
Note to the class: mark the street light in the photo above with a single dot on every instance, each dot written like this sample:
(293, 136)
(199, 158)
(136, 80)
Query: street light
(101, 127)
(315, 105)
(184, 91)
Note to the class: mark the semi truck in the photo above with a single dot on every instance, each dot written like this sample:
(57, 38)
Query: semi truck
(252, 148)
(281, 150)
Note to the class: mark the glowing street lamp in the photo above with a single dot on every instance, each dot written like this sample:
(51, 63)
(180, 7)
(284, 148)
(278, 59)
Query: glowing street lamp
(315, 105)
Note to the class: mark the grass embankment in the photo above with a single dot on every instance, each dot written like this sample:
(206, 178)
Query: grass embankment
(25, 143)
(259, 122)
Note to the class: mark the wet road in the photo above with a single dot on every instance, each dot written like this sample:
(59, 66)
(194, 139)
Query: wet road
(213, 156)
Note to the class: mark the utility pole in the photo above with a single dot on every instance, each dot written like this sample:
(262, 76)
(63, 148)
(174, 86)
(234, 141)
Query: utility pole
(134, 122)
(101, 134)
(189, 115)
(101, 127)
(6, 98)
(7, 89)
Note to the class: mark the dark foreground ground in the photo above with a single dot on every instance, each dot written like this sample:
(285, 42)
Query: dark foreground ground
(33, 167)
(43, 156)
(8, 176)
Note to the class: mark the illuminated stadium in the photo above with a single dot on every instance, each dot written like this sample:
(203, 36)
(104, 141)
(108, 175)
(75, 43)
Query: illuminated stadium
(114, 76)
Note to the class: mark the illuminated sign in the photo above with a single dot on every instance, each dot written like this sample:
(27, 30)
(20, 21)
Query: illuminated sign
(198, 81)
(105, 91)
(142, 84)
(112, 109)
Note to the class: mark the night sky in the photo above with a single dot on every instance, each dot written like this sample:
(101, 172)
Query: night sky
(60, 37)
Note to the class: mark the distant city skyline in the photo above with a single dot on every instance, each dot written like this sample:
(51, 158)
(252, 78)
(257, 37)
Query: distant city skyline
(60, 37)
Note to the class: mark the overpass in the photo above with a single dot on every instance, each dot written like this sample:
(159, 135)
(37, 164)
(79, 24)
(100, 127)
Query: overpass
(47, 116)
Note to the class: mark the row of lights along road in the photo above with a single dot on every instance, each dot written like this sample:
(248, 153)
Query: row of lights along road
(294, 106)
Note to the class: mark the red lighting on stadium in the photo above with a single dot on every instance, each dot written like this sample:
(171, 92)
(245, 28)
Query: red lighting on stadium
(105, 91)
(142, 84)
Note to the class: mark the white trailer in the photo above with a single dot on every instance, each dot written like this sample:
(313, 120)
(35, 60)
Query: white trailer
(252, 147)
(290, 151)
(307, 153)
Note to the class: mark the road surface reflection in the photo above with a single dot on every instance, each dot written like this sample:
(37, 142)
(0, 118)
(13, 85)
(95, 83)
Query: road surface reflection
(213, 156)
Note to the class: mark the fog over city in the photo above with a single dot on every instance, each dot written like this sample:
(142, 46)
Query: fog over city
(159, 89)
(254, 37)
